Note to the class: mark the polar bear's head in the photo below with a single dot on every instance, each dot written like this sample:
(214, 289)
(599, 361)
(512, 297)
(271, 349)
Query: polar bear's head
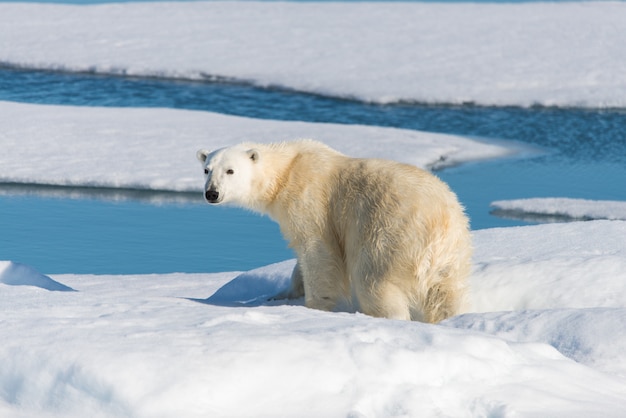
(229, 174)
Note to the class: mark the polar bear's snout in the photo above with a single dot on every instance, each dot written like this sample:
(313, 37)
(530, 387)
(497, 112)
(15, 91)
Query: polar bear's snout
(212, 196)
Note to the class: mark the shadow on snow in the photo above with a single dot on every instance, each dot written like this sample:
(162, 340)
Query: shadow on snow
(255, 288)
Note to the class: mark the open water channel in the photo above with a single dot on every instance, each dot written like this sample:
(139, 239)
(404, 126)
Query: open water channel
(582, 154)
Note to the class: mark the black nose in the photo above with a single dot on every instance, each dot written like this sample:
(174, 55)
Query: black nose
(211, 195)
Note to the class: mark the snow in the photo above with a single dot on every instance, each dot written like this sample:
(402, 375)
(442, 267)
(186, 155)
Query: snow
(580, 334)
(155, 148)
(578, 264)
(560, 208)
(561, 54)
(18, 274)
(546, 335)
(547, 338)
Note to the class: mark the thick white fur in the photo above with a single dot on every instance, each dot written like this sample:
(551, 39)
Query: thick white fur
(389, 238)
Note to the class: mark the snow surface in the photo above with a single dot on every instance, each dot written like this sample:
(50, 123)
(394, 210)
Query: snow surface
(156, 148)
(547, 331)
(564, 54)
(198, 345)
(560, 208)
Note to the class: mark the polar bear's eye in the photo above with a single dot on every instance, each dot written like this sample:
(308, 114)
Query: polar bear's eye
(230, 171)
(206, 171)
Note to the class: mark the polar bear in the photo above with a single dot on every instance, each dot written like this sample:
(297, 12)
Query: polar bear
(389, 239)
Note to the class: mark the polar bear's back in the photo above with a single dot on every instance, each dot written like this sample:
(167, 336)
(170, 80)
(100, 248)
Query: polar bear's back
(373, 187)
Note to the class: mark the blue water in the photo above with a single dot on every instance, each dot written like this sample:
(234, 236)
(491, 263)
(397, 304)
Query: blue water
(86, 235)
(61, 230)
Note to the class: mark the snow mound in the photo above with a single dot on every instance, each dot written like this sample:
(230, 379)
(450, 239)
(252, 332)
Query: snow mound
(573, 265)
(559, 209)
(17, 274)
(576, 333)
(255, 287)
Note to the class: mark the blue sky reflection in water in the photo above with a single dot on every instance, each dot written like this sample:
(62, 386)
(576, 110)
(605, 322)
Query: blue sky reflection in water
(583, 155)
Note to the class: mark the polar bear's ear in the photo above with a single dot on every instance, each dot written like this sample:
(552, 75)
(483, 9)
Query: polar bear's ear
(254, 155)
(202, 155)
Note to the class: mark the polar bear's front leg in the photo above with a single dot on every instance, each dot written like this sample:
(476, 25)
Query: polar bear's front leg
(323, 279)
